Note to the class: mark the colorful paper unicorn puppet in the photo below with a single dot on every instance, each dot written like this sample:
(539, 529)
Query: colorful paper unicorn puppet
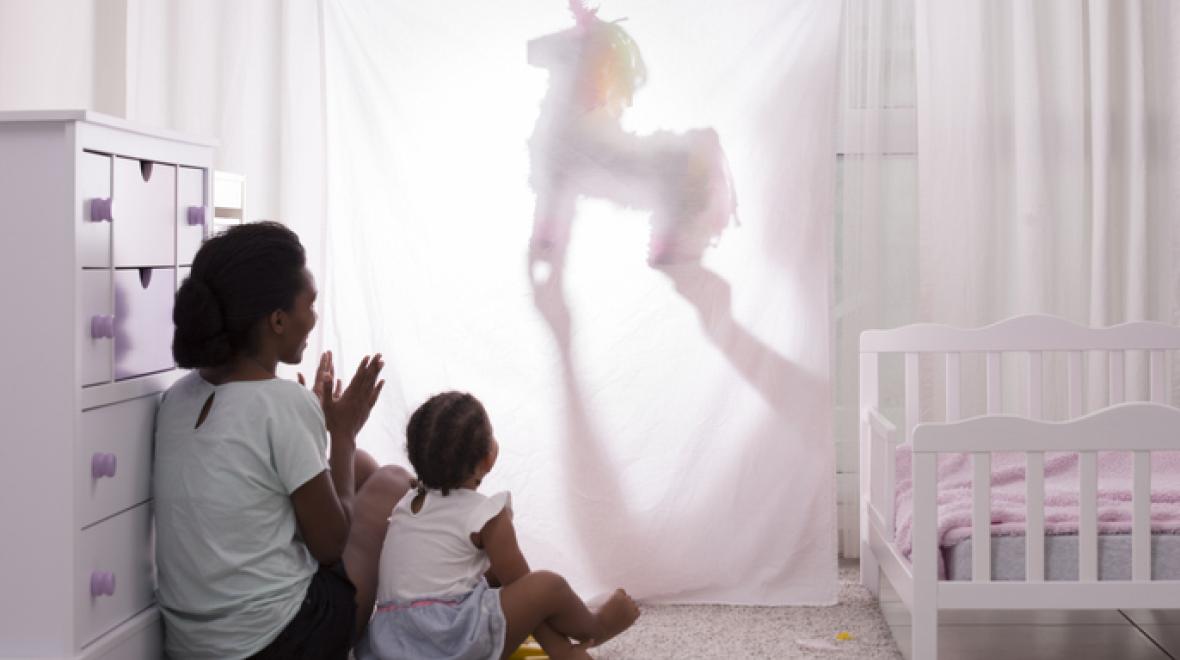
(578, 148)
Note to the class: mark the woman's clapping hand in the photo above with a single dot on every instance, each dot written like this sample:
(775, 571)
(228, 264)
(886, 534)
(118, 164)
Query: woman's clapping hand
(346, 410)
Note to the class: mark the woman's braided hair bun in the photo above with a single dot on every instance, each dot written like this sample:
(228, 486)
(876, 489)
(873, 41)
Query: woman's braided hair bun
(238, 278)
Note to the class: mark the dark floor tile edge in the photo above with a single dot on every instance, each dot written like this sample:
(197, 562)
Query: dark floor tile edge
(1145, 634)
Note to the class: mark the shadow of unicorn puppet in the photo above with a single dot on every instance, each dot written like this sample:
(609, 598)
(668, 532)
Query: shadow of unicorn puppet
(578, 148)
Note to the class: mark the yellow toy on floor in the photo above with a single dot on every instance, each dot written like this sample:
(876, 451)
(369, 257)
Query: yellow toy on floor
(530, 649)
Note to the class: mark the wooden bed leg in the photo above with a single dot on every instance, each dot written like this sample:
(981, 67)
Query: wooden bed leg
(870, 570)
(924, 633)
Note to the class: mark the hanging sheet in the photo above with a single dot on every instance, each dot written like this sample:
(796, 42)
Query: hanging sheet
(616, 234)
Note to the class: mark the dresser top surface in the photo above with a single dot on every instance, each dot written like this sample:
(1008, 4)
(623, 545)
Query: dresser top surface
(92, 117)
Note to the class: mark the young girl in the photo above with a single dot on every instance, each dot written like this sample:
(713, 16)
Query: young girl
(436, 596)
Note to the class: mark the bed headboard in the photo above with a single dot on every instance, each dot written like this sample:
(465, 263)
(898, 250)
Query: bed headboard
(1032, 335)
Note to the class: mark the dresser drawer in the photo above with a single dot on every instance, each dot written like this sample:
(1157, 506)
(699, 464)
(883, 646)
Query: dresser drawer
(143, 230)
(141, 638)
(94, 230)
(96, 329)
(114, 576)
(192, 213)
(143, 320)
(114, 461)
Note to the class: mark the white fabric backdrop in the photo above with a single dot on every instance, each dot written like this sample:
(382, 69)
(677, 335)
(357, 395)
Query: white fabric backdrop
(664, 431)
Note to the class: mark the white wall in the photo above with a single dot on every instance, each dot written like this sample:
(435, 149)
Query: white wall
(205, 67)
(57, 54)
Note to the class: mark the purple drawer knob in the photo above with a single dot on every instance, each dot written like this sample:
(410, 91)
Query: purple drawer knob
(102, 583)
(102, 326)
(103, 465)
(100, 209)
(196, 216)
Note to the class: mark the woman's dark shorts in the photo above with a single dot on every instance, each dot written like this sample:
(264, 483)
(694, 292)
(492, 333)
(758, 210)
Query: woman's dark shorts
(323, 626)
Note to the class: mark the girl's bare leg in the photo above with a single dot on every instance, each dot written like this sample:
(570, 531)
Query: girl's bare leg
(545, 597)
(370, 518)
(557, 645)
(616, 615)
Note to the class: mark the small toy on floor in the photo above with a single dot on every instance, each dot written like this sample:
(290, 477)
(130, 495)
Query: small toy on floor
(530, 649)
(817, 644)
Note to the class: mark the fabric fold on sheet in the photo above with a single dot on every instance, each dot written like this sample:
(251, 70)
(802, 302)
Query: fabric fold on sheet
(1008, 492)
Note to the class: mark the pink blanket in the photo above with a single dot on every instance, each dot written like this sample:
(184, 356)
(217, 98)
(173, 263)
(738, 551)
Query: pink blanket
(1061, 495)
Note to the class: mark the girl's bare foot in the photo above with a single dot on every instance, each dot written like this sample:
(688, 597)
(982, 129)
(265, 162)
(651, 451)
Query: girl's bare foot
(576, 652)
(616, 615)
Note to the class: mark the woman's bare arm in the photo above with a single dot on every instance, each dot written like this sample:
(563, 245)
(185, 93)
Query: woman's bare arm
(323, 505)
(323, 517)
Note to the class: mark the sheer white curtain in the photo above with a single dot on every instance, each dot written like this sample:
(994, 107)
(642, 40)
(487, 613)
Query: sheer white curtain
(875, 272)
(1049, 162)
(666, 429)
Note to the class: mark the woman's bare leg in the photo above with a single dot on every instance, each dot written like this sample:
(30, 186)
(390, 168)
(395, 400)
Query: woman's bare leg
(545, 597)
(363, 467)
(370, 518)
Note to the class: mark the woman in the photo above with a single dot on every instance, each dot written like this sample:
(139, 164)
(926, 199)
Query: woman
(264, 549)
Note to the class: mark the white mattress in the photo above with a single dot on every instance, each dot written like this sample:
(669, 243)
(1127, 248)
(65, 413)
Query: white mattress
(1061, 558)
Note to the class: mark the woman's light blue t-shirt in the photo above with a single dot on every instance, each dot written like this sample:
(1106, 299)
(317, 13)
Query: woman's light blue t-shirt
(232, 568)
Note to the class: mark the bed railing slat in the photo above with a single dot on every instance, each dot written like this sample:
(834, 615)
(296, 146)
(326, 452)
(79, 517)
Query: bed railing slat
(869, 400)
(912, 407)
(1088, 524)
(1035, 391)
(995, 401)
(883, 438)
(1035, 532)
(981, 518)
(953, 409)
(1159, 392)
(890, 498)
(1075, 384)
(882, 449)
(876, 460)
(1141, 518)
(925, 555)
(1118, 377)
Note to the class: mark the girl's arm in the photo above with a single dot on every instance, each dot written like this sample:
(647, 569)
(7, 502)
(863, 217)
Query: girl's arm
(498, 539)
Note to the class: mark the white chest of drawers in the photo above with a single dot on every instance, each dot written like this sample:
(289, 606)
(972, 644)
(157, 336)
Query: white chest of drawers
(100, 220)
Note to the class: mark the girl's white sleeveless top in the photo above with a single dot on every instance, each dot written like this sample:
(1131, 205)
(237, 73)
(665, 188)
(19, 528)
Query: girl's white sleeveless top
(429, 554)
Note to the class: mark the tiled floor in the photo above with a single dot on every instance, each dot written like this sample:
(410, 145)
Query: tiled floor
(1043, 634)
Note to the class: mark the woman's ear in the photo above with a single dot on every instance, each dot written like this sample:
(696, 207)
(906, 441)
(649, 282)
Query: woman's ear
(277, 321)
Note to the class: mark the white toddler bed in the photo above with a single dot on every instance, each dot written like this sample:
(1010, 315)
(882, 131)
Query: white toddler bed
(1059, 536)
